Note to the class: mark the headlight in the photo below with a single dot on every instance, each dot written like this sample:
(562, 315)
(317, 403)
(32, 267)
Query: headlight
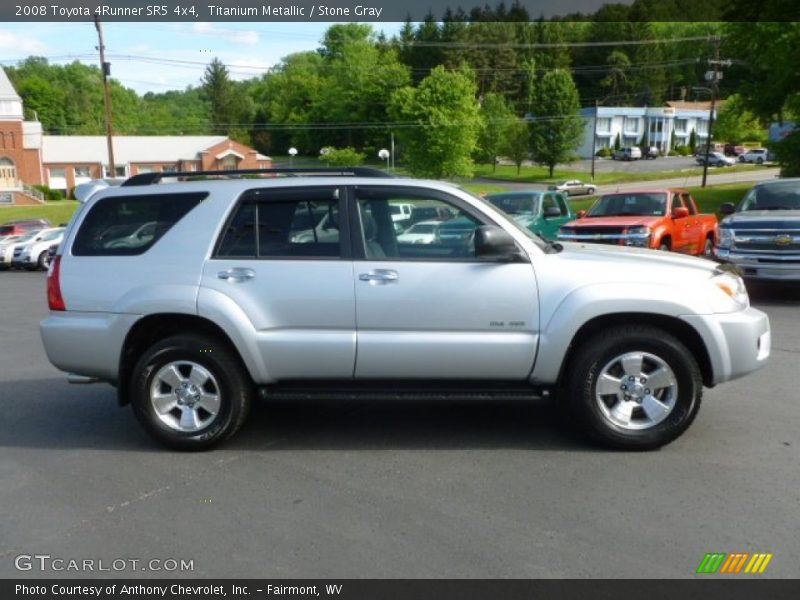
(725, 238)
(638, 236)
(732, 286)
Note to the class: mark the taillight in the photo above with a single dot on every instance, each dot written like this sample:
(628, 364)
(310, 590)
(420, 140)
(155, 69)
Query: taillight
(54, 297)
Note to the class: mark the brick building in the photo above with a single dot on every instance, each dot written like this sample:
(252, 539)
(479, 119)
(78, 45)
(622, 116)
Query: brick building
(27, 157)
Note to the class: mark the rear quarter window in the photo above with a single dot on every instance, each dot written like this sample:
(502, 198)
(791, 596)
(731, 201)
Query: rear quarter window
(131, 225)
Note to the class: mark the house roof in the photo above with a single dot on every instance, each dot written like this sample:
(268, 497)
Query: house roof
(127, 149)
(694, 105)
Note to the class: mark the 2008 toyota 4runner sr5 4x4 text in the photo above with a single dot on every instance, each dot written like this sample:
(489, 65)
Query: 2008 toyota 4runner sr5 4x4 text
(193, 297)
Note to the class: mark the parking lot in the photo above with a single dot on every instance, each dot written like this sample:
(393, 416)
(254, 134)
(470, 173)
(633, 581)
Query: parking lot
(416, 490)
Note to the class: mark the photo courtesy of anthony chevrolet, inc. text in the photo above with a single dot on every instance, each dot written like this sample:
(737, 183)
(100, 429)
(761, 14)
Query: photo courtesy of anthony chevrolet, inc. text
(421, 300)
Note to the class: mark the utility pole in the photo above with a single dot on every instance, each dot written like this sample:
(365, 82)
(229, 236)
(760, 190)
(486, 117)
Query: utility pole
(106, 70)
(594, 136)
(714, 76)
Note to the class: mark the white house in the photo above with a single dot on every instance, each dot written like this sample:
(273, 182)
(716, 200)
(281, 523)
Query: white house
(652, 126)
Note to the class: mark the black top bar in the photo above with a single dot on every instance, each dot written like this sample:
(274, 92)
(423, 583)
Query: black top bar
(155, 177)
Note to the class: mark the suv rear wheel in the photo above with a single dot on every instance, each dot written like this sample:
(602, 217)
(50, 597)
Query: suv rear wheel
(190, 392)
(634, 387)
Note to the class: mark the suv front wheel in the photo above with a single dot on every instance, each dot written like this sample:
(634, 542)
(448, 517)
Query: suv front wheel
(634, 387)
(190, 392)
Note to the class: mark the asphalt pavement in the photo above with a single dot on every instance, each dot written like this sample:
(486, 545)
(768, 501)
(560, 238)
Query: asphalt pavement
(392, 490)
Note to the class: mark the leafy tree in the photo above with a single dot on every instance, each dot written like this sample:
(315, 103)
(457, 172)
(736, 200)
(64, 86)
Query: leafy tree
(557, 127)
(693, 140)
(616, 81)
(517, 142)
(735, 123)
(229, 109)
(617, 142)
(496, 116)
(445, 122)
(338, 36)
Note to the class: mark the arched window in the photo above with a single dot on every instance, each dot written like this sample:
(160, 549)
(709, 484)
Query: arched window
(8, 173)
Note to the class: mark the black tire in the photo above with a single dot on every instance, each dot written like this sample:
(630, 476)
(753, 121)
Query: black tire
(664, 247)
(708, 248)
(596, 352)
(591, 191)
(759, 161)
(42, 262)
(235, 390)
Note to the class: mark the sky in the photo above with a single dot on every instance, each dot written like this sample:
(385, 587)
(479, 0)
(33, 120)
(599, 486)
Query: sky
(137, 50)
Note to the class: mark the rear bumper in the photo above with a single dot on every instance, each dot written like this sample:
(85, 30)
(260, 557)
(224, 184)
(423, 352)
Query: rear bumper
(780, 268)
(86, 343)
(737, 343)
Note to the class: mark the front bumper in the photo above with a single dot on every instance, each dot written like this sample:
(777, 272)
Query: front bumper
(772, 267)
(738, 343)
(636, 240)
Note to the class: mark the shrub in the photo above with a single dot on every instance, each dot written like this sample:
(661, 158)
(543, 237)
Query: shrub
(341, 157)
(49, 194)
(604, 153)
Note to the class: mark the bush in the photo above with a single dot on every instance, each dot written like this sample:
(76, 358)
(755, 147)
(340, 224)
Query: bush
(683, 151)
(604, 153)
(341, 157)
(49, 194)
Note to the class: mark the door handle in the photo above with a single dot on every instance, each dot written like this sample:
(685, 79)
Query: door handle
(380, 276)
(237, 275)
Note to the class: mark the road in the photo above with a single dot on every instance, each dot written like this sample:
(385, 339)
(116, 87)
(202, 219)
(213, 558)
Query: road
(715, 177)
(368, 489)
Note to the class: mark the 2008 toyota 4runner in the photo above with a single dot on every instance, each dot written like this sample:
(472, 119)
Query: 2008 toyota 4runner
(192, 297)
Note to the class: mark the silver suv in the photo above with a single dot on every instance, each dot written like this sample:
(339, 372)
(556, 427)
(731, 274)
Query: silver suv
(193, 297)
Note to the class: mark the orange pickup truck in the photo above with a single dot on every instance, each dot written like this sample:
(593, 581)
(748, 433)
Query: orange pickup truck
(663, 219)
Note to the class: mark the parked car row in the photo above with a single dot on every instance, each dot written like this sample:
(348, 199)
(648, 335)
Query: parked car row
(29, 246)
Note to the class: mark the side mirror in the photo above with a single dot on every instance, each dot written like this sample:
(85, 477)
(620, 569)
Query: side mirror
(494, 243)
(551, 211)
(580, 214)
(680, 212)
(727, 208)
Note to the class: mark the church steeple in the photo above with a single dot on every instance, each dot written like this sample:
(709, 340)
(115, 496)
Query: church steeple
(10, 102)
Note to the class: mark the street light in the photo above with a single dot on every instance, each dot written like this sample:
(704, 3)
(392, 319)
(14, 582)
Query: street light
(384, 154)
(292, 154)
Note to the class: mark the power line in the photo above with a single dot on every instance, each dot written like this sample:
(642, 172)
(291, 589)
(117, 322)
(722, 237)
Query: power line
(704, 38)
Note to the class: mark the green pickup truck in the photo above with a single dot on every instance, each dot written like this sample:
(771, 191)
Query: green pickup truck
(541, 212)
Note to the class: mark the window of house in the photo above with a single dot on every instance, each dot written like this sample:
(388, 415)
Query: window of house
(702, 126)
(145, 169)
(57, 172)
(680, 125)
(631, 124)
(169, 169)
(83, 172)
(119, 171)
(603, 124)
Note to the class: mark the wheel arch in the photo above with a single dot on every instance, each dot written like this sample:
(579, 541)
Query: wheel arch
(151, 329)
(682, 330)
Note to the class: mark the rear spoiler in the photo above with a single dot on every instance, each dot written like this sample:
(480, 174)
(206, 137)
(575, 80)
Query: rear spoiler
(84, 191)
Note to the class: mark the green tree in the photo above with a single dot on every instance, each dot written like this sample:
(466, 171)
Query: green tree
(497, 116)
(557, 127)
(693, 140)
(444, 119)
(230, 110)
(616, 80)
(617, 142)
(735, 123)
(517, 144)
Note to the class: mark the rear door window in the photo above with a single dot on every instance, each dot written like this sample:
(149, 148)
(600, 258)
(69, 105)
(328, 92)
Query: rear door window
(131, 225)
(284, 223)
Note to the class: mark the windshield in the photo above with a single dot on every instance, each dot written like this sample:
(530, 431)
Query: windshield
(629, 205)
(539, 240)
(514, 204)
(776, 196)
(52, 235)
(394, 209)
(26, 237)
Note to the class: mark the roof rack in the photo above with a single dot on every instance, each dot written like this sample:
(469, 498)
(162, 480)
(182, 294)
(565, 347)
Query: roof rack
(155, 177)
